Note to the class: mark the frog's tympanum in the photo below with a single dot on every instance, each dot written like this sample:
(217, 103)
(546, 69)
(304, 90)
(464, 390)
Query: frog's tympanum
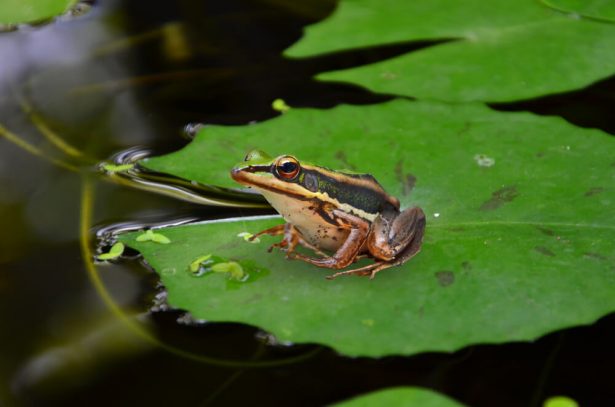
(339, 215)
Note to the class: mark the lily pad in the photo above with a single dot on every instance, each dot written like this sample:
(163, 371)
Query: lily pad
(401, 397)
(506, 50)
(23, 11)
(512, 251)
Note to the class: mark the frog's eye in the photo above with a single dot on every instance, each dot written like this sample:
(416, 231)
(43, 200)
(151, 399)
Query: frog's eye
(287, 167)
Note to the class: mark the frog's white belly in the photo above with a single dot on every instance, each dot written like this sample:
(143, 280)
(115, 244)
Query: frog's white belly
(311, 225)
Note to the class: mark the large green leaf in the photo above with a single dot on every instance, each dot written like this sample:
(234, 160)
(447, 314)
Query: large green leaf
(508, 50)
(22, 11)
(520, 237)
(401, 397)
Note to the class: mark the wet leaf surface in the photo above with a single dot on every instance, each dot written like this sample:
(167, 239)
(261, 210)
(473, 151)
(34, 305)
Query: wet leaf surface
(512, 251)
(506, 50)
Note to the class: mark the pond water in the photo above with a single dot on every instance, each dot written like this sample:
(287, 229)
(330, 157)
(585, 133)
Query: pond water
(123, 75)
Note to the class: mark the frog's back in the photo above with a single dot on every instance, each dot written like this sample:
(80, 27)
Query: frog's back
(355, 190)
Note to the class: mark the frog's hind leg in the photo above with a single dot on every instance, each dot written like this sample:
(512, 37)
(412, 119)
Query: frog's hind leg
(413, 246)
(397, 237)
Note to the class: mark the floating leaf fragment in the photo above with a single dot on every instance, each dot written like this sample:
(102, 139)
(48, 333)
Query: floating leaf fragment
(279, 105)
(196, 264)
(247, 236)
(117, 167)
(115, 252)
(150, 236)
(233, 268)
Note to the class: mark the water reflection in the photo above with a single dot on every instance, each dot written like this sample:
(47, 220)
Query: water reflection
(125, 169)
(72, 93)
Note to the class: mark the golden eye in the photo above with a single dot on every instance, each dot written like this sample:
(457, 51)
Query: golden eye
(287, 167)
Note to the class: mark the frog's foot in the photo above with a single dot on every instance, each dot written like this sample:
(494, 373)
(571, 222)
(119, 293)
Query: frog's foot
(292, 238)
(369, 270)
(279, 245)
(288, 242)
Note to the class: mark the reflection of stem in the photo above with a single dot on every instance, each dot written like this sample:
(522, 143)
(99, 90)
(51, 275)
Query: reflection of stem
(136, 81)
(15, 139)
(49, 134)
(233, 377)
(126, 43)
(546, 371)
(87, 200)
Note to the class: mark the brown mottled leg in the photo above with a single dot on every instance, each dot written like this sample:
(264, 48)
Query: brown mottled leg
(393, 232)
(412, 221)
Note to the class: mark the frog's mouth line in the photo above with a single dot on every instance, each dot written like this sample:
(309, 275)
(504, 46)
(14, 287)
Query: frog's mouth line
(243, 176)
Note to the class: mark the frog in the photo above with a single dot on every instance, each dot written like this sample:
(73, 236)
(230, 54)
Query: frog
(341, 216)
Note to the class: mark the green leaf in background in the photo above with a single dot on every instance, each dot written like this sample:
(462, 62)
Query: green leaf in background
(23, 11)
(560, 401)
(507, 50)
(513, 250)
(597, 9)
(401, 397)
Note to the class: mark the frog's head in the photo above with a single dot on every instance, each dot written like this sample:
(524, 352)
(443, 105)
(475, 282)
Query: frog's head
(260, 170)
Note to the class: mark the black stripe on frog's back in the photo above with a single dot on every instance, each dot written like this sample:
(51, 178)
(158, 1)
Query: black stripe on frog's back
(360, 191)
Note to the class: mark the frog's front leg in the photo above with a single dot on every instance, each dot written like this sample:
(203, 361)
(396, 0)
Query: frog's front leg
(292, 237)
(273, 231)
(348, 251)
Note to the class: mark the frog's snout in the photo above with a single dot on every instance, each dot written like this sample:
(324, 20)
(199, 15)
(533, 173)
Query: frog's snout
(239, 175)
(235, 173)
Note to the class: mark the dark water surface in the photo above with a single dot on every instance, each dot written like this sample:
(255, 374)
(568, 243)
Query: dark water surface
(135, 73)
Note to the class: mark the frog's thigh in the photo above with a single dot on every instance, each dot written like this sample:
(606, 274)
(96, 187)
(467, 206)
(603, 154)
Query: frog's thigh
(391, 235)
